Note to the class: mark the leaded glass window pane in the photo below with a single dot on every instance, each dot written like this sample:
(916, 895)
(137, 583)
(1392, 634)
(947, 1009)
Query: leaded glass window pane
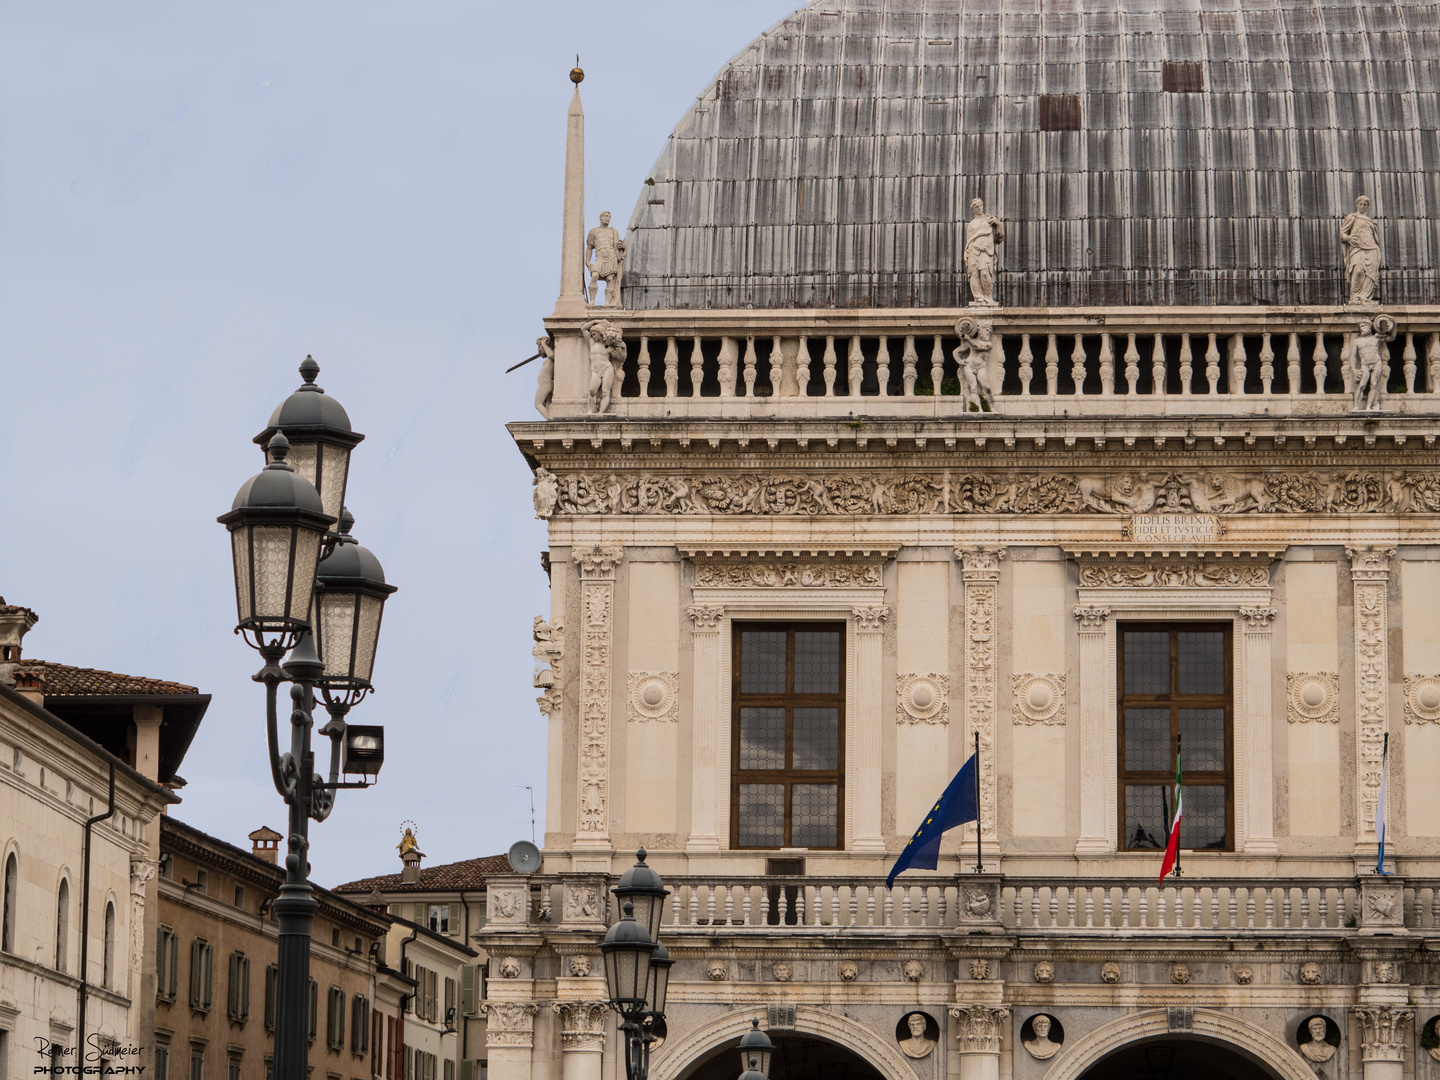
(814, 813)
(817, 662)
(1203, 739)
(1202, 662)
(762, 815)
(762, 662)
(1147, 662)
(762, 738)
(817, 738)
(1145, 822)
(1147, 739)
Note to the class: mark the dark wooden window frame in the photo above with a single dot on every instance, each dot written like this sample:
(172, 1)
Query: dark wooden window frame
(1175, 701)
(789, 701)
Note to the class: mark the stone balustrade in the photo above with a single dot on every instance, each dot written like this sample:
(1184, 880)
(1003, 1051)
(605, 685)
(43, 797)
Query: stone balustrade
(1042, 362)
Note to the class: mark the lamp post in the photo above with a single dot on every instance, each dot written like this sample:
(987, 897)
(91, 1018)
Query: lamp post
(296, 581)
(755, 1051)
(637, 966)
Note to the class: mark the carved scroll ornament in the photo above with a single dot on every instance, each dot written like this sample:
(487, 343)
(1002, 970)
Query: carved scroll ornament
(1174, 573)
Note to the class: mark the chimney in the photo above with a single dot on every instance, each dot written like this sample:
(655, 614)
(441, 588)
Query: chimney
(265, 844)
(410, 856)
(30, 684)
(15, 623)
(376, 901)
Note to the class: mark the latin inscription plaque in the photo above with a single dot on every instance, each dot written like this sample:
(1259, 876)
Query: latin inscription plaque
(1175, 528)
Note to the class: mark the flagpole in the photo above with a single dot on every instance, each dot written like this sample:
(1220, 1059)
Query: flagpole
(1178, 737)
(979, 859)
(1381, 810)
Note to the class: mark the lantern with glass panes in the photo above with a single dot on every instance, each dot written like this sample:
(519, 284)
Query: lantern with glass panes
(755, 1051)
(318, 595)
(637, 965)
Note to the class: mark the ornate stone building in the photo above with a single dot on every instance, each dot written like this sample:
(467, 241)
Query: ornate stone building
(1029, 373)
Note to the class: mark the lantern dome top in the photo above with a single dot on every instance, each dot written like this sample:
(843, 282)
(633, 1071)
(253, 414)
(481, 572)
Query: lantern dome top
(278, 486)
(310, 411)
(351, 561)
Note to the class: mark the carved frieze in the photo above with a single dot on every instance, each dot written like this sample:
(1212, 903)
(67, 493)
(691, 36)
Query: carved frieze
(1312, 696)
(653, 695)
(1039, 699)
(1000, 492)
(980, 570)
(788, 575)
(1178, 572)
(979, 1028)
(597, 594)
(510, 1024)
(1422, 699)
(923, 698)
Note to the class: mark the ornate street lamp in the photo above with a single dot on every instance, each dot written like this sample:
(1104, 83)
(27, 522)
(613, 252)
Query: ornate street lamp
(296, 580)
(755, 1051)
(637, 966)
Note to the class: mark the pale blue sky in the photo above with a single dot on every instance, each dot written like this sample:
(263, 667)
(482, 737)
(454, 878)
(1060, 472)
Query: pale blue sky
(193, 195)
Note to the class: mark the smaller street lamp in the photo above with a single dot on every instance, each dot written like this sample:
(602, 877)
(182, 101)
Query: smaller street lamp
(637, 966)
(755, 1051)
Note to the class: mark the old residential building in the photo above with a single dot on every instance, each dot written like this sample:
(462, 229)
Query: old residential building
(1060, 379)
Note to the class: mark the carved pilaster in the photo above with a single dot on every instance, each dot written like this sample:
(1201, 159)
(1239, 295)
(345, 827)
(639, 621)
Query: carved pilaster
(510, 1024)
(979, 1029)
(582, 1026)
(1370, 573)
(141, 871)
(1095, 834)
(1259, 771)
(597, 602)
(705, 720)
(980, 571)
(869, 695)
(1382, 1033)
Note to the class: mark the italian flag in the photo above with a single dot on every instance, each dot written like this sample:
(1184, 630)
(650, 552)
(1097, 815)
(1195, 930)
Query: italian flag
(1172, 846)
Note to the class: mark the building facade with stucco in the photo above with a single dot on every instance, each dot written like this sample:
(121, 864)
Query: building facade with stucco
(1025, 377)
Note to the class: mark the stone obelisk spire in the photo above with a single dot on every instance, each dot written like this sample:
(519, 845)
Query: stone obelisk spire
(572, 242)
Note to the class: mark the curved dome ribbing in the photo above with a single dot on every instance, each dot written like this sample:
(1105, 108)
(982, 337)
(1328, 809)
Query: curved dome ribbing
(831, 163)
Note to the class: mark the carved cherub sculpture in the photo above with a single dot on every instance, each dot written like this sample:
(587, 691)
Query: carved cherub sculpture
(973, 359)
(607, 344)
(605, 259)
(1367, 361)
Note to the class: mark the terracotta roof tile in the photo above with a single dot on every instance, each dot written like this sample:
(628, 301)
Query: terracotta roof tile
(62, 680)
(466, 874)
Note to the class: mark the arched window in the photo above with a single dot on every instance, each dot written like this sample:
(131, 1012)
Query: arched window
(108, 972)
(62, 925)
(7, 920)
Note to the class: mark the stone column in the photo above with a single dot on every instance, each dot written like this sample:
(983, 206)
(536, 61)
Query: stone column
(705, 728)
(597, 619)
(1370, 572)
(869, 697)
(1095, 834)
(1258, 736)
(979, 1030)
(980, 570)
(509, 1038)
(582, 1038)
(1382, 1041)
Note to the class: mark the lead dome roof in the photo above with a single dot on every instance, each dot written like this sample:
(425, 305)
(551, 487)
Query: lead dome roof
(831, 163)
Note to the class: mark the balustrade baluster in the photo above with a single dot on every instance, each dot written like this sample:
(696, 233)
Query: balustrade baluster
(1132, 367)
(1077, 364)
(1143, 908)
(1250, 907)
(802, 366)
(1032, 906)
(1238, 361)
(1109, 907)
(672, 367)
(1070, 907)
(1157, 366)
(855, 366)
(1187, 365)
(937, 365)
(778, 366)
(1052, 366)
(1408, 356)
(911, 372)
(1212, 366)
(1089, 907)
(1125, 907)
(729, 361)
(1027, 365)
(642, 368)
(888, 912)
(804, 904)
(1267, 365)
(782, 898)
(729, 905)
(1432, 364)
(1292, 364)
(1323, 907)
(1162, 907)
(747, 901)
(675, 917)
(1317, 363)
(829, 367)
(1286, 906)
(697, 367)
(882, 366)
(1107, 364)
(1435, 907)
(1054, 905)
(906, 903)
(751, 370)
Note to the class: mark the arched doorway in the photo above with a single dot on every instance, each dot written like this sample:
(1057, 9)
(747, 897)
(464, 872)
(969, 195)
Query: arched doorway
(1178, 1059)
(797, 1057)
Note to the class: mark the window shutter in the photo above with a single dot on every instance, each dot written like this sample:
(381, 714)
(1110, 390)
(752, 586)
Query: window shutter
(355, 1028)
(160, 961)
(314, 1008)
(467, 1070)
(232, 999)
(173, 944)
(456, 917)
(449, 1000)
(244, 988)
(330, 1017)
(209, 974)
(272, 973)
(421, 915)
(434, 977)
(393, 909)
(467, 990)
(339, 1019)
(197, 954)
(162, 1063)
(449, 1069)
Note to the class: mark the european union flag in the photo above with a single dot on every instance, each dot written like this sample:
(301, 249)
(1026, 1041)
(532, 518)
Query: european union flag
(956, 806)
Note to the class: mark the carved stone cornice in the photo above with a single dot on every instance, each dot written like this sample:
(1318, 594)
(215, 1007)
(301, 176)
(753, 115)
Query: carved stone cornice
(789, 574)
(598, 561)
(582, 1025)
(705, 617)
(510, 1024)
(870, 619)
(1382, 1036)
(979, 1028)
(1257, 620)
(1092, 619)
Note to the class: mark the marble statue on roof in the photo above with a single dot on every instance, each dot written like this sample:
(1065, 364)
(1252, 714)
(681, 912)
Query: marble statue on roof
(605, 259)
(1360, 237)
(983, 233)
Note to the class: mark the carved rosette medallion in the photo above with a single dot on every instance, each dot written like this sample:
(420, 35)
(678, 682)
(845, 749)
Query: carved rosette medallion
(1370, 572)
(979, 1028)
(788, 575)
(582, 1025)
(597, 597)
(1312, 696)
(980, 571)
(653, 695)
(510, 1024)
(1422, 699)
(1382, 1032)
(923, 698)
(1039, 699)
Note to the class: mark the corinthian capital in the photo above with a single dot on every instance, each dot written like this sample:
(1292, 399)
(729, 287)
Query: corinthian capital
(1382, 1033)
(979, 1028)
(1370, 563)
(1092, 619)
(980, 563)
(582, 1025)
(598, 562)
(705, 617)
(870, 618)
(1257, 618)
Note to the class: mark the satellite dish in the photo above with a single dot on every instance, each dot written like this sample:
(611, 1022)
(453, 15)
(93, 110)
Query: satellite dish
(524, 857)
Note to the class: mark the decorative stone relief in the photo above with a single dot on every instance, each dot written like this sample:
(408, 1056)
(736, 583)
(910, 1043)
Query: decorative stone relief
(1422, 699)
(979, 1028)
(1314, 1040)
(653, 695)
(849, 971)
(1370, 572)
(715, 971)
(999, 492)
(510, 1024)
(1189, 573)
(782, 971)
(1243, 975)
(580, 966)
(1312, 695)
(1179, 974)
(549, 649)
(920, 1032)
(1382, 1032)
(1257, 619)
(980, 571)
(1110, 972)
(141, 871)
(508, 903)
(1044, 972)
(979, 901)
(914, 970)
(979, 969)
(547, 491)
(1310, 973)
(1381, 905)
(1092, 618)
(582, 1025)
(510, 968)
(923, 697)
(788, 575)
(1386, 971)
(597, 589)
(1039, 699)
(582, 902)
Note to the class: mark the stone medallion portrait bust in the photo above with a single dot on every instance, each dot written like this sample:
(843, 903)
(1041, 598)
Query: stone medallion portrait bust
(1314, 1042)
(1045, 1037)
(917, 1034)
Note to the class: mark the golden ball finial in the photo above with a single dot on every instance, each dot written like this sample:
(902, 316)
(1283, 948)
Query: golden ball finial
(577, 76)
